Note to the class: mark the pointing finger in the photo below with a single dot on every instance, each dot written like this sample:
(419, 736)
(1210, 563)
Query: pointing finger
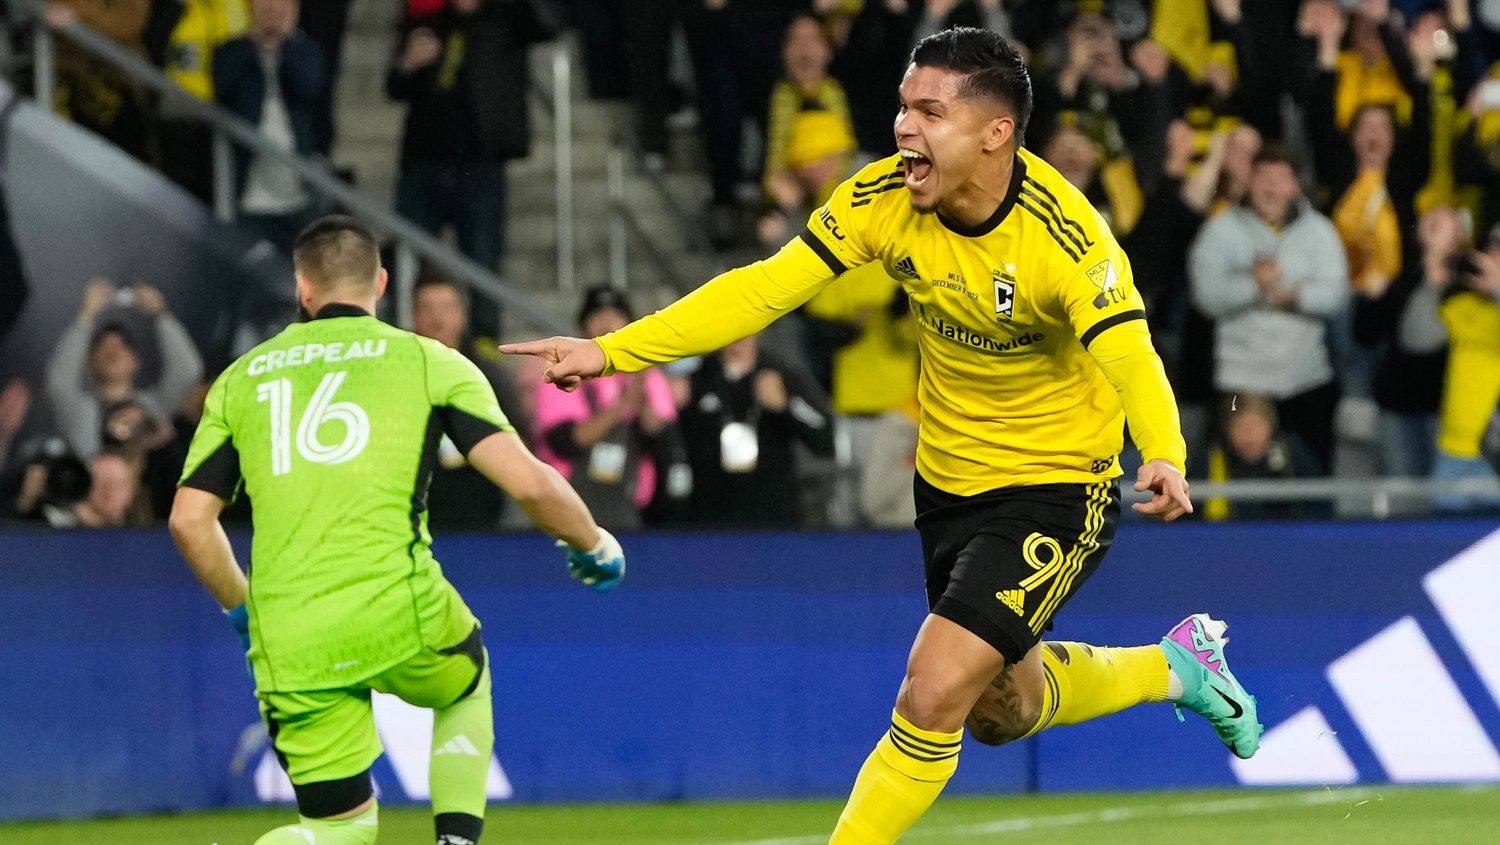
(530, 347)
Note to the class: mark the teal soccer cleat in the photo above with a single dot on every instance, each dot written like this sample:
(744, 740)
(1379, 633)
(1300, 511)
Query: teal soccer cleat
(1195, 651)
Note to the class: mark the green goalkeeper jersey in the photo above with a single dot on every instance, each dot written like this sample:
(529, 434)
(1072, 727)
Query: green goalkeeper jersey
(333, 426)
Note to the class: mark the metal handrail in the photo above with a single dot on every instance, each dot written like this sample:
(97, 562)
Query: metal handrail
(227, 125)
(1378, 492)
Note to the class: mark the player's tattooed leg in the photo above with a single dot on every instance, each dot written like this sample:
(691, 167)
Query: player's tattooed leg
(1003, 713)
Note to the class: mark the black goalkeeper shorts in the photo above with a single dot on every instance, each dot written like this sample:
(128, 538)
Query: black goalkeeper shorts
(1002, 563)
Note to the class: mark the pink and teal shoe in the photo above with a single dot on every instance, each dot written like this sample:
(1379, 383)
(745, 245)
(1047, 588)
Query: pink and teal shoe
(1195, 651)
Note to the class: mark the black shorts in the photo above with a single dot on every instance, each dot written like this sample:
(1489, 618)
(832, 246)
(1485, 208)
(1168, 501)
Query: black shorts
(1002, 563)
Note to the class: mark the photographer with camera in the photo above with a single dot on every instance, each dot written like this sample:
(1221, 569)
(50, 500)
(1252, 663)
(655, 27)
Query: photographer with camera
(99, 362)
(1459, 304)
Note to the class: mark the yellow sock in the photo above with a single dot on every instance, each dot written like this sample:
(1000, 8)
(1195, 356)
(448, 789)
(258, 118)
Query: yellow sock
(1085, 682)
(899, 781)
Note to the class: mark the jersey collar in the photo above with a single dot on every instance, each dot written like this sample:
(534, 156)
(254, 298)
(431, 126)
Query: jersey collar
(1017, 173)
(340, 309)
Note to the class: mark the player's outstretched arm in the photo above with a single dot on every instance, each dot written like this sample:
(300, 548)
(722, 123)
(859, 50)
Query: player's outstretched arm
(731, 306)
(546, 497)
(194, 524)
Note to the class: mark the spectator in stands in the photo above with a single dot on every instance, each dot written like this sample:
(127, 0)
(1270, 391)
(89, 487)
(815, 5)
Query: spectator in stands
(938, 15)
(97, 363)
(1460, 305)
(610, 436)
(50, 484)
(200, 27)
(1409, 379)
(460, 498)
(1251, 447)
(463, 73)
(885, 478)
(14, 290)
(153, 446)
(746, 410)
(873, 366)
(810, 142)
(277, 79)
(1115, 104)
(870, 63)
(1184, 198)
(1477, 150)
(115, 498)
(1373, 203)
(91, 92)
(1113, 193)
(734, 46)
(324, 21)
(1272, 273)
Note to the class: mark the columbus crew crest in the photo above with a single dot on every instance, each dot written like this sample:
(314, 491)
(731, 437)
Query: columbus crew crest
(1005, 295)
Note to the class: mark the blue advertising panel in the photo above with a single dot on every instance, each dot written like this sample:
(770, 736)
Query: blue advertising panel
(760, 665)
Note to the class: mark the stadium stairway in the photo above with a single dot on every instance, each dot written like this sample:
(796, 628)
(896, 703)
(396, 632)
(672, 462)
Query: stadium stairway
(368, 139)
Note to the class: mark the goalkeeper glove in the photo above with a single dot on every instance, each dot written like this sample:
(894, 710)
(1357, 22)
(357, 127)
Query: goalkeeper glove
(602, 567)
(239, 618)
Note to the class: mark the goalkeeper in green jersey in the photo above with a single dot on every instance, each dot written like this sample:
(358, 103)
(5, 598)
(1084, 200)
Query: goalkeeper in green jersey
(333, 427)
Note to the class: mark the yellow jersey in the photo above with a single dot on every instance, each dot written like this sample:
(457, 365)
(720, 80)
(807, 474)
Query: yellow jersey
(1033, 339)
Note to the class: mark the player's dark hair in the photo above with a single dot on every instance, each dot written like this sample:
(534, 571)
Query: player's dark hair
(992, 67)
(335, 251)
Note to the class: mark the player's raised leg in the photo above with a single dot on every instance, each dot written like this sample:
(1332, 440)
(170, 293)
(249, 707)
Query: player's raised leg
(1083, 682)
(948, 669)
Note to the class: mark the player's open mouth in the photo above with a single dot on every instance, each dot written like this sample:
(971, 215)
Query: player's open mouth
(918, 168)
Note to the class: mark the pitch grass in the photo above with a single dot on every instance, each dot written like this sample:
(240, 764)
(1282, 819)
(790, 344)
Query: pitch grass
(1363, 816)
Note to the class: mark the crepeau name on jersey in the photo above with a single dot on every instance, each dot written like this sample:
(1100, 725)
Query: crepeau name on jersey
(312, 353)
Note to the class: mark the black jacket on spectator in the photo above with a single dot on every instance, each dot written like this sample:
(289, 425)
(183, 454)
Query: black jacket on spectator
(478, 112)
(870, 67)
(240, 86)
(1158, 250)
(13, 287)
(1405, 382)
(765, 496)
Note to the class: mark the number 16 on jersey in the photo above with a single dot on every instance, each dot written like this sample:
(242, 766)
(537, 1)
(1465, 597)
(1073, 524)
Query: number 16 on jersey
(322, 409)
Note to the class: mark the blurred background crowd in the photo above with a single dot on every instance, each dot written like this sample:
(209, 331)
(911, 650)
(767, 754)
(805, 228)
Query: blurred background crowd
(1309, 193)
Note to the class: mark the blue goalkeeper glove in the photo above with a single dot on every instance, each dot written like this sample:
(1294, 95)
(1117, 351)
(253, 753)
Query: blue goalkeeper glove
(239, 619)
(602, 567)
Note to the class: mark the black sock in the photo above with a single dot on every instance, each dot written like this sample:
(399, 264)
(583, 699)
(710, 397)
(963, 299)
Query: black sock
(458, 828)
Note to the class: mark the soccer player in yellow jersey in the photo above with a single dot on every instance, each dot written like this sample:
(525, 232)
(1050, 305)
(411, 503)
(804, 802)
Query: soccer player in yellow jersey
(1034, 353)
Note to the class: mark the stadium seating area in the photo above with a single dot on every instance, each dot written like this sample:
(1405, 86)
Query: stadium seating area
(1212, 135)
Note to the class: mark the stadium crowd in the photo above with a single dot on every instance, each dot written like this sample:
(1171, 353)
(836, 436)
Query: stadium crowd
(1308, 190)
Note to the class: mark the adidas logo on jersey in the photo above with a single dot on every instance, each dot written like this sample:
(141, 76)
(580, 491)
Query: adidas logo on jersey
(907, 268)
(1013, 599)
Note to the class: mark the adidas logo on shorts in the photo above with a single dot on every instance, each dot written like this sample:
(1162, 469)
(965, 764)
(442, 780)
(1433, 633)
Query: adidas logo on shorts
(1013, 599)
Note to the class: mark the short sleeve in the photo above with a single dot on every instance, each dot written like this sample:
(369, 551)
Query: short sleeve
(839, 231)
(213, 462)
(1099, 293)
(462, 397)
